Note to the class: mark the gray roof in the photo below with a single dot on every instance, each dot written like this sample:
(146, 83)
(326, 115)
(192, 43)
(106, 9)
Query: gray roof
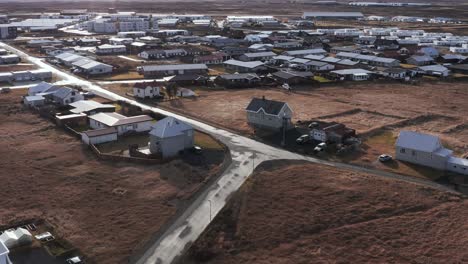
(3, 249)
(269, 106)
(304, 52)
(100, 132)
(421, 58)
(260, 54)
(418, 141)
(169, 127)
(351, 71)
(246, 64)
(239, 76)
(115, 119)
(333, 14)
(88, 105)
(174, 67)
(63, 92)
(434, 68)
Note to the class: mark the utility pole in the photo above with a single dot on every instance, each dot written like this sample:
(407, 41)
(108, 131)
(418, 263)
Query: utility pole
(285, 124)
(210, 209)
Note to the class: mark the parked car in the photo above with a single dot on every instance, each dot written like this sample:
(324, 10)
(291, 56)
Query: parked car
(74, 260)
(303, 139)
(320, 147)
(385, 158)
(197, 149)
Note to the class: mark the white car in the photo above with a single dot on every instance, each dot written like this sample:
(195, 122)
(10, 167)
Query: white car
(320, 147)
(385, 158)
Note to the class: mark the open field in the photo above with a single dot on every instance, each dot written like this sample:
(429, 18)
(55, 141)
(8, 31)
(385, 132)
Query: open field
(105, 209)
(293, 212)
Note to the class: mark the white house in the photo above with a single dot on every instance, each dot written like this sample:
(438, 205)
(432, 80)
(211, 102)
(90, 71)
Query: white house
(146, 90)
(15, 238)
(110, 49)
(170, 136)
(91, 67)
(4, 259)
(34, 100)
(422, 149)
(123, 124)
(268, 114)
(99, 136)
(65, 96)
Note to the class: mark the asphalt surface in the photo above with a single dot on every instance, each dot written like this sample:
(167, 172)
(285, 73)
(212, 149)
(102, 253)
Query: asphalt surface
(246, 154)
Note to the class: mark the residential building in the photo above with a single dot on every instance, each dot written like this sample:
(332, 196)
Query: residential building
(39, 88)
(99, 136)
(34, 100)
(90, 107)
(257, 56)
(108, 49)
(4, 259)
(162, 54)
(420, 60)
(244, 66)
(239, 80)
(395, 73)
(434, 70)
(268, 114)
(292, 77)
(13, 238)
(91, 67)
(65, 96)
(215, 58)
(145, 90)
(303, 53)
(9, 59)
(330, 132)
(170, 136)
(332, 15)
(427, 150)
(8, 31)
(123, 124)
(172, 69)
(352, 74)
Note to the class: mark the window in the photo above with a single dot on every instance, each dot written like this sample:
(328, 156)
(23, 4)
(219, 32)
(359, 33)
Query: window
(403, 150)
(413, 153)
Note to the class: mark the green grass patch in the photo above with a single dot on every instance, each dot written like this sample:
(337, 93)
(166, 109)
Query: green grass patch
(321, 79)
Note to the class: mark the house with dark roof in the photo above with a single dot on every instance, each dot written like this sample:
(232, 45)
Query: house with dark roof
(420, 60)
(268, 114)
(292, 77)
(65, 96)
(238, 80)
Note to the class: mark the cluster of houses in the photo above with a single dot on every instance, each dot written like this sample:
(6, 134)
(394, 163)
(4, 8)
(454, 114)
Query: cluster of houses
(168, 137)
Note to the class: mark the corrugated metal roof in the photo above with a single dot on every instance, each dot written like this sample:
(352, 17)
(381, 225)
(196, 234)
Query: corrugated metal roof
(174, 67)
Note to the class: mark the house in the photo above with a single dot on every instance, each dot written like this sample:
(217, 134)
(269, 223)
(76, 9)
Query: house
(123, 124)
(215, 58)
(6, 77)
(429, 51)
(453, 58)
(422, 149)
(170, 136)
(292, 77)
(172, 69)
(459, 68)
(68, 58)
(420, 60)
(146, 90)
(268, 114)
(395, 73)
(99, 136)
(239, 80)
(330, 132)
(189, 79)
(257, 56)
(352, 74)
(34, 100)
(4, 259)
(65, 96)
(244, 66)
(90, 107)
(162, 54)
(332, 15)
(302, 53)
(434, 70)
(260, 47)
(427, 150)
(108, 49)
(310, 65)
(39, 88)
(9, 59)
(16, 238)
(91, 67)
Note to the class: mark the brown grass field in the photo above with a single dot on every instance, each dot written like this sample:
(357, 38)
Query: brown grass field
(105, 209)
(309, 213)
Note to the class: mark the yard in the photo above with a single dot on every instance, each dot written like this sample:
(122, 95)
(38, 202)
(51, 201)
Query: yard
(105, 209)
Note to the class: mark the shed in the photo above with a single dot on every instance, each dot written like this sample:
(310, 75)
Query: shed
(99, 136)
(169, 136)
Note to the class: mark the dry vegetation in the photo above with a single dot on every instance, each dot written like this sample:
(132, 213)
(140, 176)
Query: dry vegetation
(105, 209)
(303, 213)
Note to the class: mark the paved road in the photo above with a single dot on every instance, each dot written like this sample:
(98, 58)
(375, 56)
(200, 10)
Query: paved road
(246, 155)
